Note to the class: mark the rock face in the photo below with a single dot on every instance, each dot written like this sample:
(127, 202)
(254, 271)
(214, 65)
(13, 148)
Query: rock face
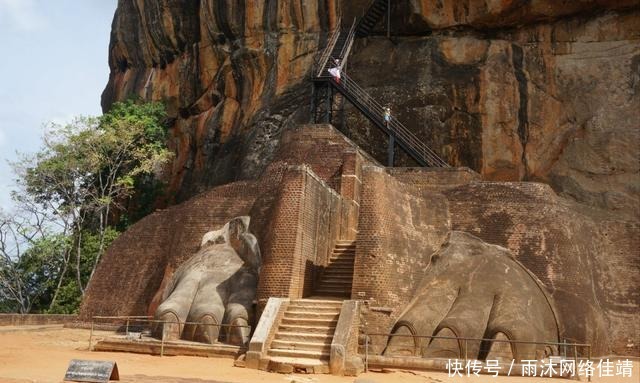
(517, 90)
(232, 74)
(557, 102)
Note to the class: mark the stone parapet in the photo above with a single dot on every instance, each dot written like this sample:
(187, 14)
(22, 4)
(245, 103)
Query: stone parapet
(264, 333)
(344, 358)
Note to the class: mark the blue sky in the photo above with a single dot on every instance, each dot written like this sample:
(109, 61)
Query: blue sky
(54, 66)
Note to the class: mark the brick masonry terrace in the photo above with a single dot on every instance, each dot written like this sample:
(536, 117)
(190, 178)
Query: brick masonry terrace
(401, 230)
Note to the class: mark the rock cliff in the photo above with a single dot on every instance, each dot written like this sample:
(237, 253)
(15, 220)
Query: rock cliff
(538, 90)
(230, 72)
(517, 90)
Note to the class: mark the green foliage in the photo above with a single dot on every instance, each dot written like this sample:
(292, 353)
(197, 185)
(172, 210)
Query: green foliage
(69, 297)
(151, 116)
(84, 176)
(40, 268)
(94, 163)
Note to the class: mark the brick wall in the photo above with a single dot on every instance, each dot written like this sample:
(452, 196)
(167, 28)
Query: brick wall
(327, 151)
(399, 229)
(296, 214)
(434, 179)
(307, 218)
(35, 319)
(132, 269)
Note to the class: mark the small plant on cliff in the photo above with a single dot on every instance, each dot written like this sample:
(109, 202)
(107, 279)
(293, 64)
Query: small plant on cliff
(83, 178)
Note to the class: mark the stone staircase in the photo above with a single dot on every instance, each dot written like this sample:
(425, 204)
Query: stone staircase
(303, 338)
(337, 277)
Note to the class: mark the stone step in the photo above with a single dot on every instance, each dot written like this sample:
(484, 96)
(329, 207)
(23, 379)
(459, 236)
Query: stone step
(339, 266)
(342, 257)
(315, 309)
(336, 279)
(344, 250)
(325, 330)
(310, 315)
(333, 292)
(332, 288)
(303, 337)
(339, 277)
(335, 295)
(340, 262)
(287, 365)
(322, 355)
(335, 284)
(297, 345)
(340, 271)
(343, 253)
(311, 302)
(309, 321)
(345, 279)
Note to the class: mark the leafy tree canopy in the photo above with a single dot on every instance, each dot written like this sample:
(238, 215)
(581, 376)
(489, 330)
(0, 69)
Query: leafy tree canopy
(73, 190)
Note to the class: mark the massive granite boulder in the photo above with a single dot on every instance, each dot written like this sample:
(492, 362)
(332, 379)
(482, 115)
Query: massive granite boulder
(232, 74)
(517, 90)
(555, 101)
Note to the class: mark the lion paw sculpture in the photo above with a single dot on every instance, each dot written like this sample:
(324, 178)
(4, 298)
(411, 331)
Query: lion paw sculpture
(475, 290)
(213, 290)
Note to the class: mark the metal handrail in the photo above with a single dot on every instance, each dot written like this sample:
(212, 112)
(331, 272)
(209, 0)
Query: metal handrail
(398, 129)
(344, 53)
(394, 126)
(329, 48)
(402, 131)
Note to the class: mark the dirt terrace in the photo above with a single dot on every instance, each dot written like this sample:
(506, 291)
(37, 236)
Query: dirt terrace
(42, 353)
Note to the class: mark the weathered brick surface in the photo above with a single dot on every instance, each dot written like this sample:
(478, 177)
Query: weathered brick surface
(35, 319)
(130, 273)
(307, 219)
(434, 179)
(321, 188)
(297, 213)
(399, 229)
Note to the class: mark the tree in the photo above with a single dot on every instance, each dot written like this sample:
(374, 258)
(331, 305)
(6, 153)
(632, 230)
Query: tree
(30, 256)
(83, 177)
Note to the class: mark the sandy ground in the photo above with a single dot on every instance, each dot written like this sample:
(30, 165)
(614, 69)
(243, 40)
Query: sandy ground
(43, 354)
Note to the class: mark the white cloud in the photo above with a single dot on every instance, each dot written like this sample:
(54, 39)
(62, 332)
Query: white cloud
(3, 138)
(21, 14)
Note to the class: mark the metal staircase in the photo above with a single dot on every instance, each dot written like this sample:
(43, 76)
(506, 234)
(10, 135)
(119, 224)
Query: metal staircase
(374, 13)
(326, 88)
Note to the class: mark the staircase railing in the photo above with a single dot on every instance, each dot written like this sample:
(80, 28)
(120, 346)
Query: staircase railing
(375, 112)
(331, 43)
(346, 49)
(371, 108)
